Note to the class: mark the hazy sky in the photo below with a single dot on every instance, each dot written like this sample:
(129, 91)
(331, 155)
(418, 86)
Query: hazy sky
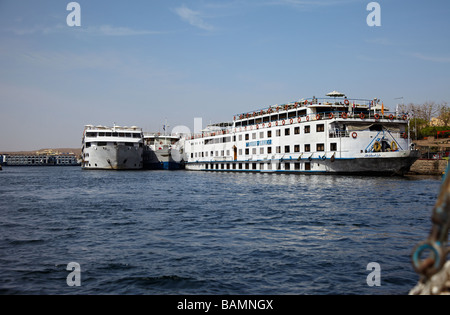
(144, 62)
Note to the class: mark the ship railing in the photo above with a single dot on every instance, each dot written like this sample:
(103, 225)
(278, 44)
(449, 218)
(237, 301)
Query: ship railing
(339, 134)
(304, 103)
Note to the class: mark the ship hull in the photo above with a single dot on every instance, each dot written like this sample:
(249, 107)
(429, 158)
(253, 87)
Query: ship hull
(118, 157)
(164, 159)
(383, 164)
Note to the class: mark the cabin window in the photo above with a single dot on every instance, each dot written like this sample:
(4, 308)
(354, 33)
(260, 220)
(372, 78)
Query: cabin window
(297, 166)
(287, 149)
(101, 144)
(261, 150)
(278, 133)
(287, 166)
(247, 136)
(296, 130)
(247, 151)
(254, 135)
(301, 112)
(261, 134)
(320, 128)
(297, 148)
(333, 146)
(307, 129)
(278, 149)
(91, 134)
(254, 151)
(269, 133)
(320, 147)
(307, 148)
(287, 131)
(269, 150)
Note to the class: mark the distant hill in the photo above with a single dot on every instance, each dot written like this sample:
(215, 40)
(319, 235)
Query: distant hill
(76, 151)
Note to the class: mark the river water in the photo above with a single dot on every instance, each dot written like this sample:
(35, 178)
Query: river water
(181, 232)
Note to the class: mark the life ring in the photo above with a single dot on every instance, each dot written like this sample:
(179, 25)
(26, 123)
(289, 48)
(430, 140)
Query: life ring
(354, 135)
(257, 126)
(318, 117)
(391, 117)
(276, 123)
(331, 116)
(324, 157)
(291, 121)
(377, 116)
(394, 146)
(299, 119)
(405, 117)
(269, 125)
(344, 115)
(362, 116)
(377, 146)
(283, 122)
(307, 118)
(346, 102)
(263, 125)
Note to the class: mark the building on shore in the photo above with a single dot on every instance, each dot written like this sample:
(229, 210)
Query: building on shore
(39, 160)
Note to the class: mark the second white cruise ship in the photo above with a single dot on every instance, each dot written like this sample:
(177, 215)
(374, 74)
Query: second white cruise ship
(112, 148)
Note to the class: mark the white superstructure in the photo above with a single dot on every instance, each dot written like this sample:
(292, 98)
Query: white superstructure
(330, 135)
(117, 148)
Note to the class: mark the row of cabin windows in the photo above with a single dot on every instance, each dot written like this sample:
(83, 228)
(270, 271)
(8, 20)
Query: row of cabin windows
(320, 147)
(113, 134)
(297, 166)
(265, 134)
(287, 132)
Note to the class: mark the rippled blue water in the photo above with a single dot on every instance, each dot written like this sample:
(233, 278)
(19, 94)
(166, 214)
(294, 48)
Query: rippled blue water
(159, 232)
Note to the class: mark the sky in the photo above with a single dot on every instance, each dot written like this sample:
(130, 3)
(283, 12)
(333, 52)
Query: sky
(156, 62)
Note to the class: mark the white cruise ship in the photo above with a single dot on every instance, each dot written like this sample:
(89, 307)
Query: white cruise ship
(330, 135)
(116, 148)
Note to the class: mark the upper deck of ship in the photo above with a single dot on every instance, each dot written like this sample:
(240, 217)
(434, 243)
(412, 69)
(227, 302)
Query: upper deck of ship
(309, 110)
